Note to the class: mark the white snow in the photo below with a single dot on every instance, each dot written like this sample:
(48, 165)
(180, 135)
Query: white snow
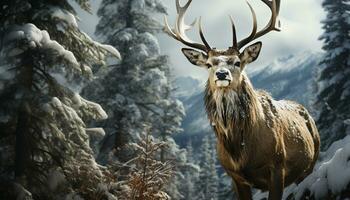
(76, 100)
(68, 17)
(111, 50)
(56, 102)
(283, 105)
(87, 70)
(287, 63)
(151, 42)
(331, 175)
(96, 132)
(65, 111)
(108, 48)
(155, 79)
(96, 108)
(347, 121)
(89, 106)
(37, 38)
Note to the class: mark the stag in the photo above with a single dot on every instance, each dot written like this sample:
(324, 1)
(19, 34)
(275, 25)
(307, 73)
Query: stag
(261, 142)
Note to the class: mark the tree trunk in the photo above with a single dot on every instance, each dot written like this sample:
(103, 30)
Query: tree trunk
(25, 80)
(21, 156)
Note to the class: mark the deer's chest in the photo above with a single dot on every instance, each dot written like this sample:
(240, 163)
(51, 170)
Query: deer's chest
(230, 149)
(227, 161)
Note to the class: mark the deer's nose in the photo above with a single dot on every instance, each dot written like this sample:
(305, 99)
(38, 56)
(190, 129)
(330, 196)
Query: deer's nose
(221, 74)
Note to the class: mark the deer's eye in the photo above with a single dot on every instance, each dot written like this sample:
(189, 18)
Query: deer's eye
(208, 65)
(238, 64)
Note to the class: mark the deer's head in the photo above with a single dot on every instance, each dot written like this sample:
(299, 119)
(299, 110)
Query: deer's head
(225, 66)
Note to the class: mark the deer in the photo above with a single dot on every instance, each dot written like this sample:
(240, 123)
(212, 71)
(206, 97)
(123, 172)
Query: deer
(261, 142)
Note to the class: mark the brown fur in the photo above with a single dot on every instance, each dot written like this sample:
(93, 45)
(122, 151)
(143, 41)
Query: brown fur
(261, 142)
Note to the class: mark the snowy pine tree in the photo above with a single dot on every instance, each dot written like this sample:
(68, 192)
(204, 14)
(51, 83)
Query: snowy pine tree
(137, 90)
(44, 141)
(208, 183)
(333, 97)
(225, 191)
(191, 176)
(166, 123)
(131, 89)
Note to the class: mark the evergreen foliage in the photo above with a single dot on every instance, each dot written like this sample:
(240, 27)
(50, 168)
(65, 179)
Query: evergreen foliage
(137, 90)
(44, 139)
(208, 183)
(333, 92)
(148, 176)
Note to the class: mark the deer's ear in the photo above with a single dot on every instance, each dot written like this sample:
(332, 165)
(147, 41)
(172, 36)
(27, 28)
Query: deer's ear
(195, 57)
(251, 53)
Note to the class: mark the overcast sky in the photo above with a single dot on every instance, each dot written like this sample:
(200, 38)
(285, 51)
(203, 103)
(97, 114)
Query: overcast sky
(300, 21)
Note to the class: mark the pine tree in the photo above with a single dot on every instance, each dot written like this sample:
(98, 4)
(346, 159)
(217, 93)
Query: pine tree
(207, 186)
(44, 140)
(137, 90)
(333, 96)
(225, 191)
(191, 175)
(148, 176)
(166, 124)
(129, 90)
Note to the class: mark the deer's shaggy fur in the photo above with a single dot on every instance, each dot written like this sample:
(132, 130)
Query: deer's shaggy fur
(258, 137)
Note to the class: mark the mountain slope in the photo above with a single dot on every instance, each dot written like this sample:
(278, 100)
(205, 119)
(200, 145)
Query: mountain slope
(290, 77)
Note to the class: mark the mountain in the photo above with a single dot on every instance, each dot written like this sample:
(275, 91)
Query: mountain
(289, 77)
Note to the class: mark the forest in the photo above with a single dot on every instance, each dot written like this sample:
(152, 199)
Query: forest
(103, 117)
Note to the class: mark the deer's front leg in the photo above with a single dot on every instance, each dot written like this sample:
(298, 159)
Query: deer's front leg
(276, 185)
(242, 189)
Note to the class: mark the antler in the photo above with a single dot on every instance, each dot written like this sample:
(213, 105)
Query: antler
(274, 6)
(179, 32)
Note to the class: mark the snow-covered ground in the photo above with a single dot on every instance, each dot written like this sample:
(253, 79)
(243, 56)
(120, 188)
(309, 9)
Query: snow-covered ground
(330, 178)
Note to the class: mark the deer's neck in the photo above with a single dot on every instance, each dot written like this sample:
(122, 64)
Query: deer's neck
(233, 114)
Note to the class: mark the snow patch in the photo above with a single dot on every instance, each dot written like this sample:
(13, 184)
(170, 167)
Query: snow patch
(285, 64)
(111, 50)
(108, 48)
(95, 132)
(68, 17)
(332, 175)
(37, 38)
(283, 105)
(347, 121)
(96, 107)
